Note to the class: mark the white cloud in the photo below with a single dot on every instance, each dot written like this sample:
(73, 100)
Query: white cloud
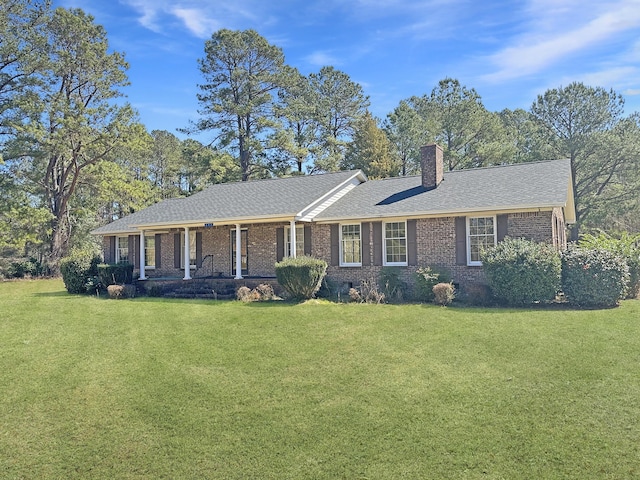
(539, 48)
(321, 59)
(632, 92)
(196, 21)
(199, 17)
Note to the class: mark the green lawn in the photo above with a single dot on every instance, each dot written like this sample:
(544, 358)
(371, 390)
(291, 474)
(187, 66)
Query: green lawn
(152, 388)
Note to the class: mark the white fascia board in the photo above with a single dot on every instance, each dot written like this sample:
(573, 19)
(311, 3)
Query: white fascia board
(215, 222)
(332, 196)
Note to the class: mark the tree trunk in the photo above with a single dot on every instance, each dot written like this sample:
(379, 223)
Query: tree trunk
(59, 246)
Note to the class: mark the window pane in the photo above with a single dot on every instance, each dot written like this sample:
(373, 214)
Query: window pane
(122, 255)
(351, 244)
(395, 242)
(481, 236)
(299, 241)
(150, 251)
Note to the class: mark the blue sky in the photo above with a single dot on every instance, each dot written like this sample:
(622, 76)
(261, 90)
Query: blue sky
(509, 51)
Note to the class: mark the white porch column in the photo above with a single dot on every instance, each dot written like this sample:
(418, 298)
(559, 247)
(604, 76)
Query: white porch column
(238, 252)
(187, 255)
(142, 259)
(292, 239)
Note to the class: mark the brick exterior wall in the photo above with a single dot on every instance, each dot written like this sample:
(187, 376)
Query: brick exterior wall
(436, 246)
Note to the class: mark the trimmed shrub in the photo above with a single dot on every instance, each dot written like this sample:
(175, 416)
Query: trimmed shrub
(118, 292)
(115, 274)
(443, 293)
(521, 272)
(302, 276)
(426, 279)
(78, 269)
(593, 278)
(626, 246)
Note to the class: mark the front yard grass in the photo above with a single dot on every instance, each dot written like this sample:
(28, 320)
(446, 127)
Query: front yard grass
(155, 388)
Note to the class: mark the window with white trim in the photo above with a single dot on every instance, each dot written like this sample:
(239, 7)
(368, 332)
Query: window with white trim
(481, 234)
(122, 250)
(350, 245)
(299, 240)
(192, 249)
(150, 251)
(395, 243)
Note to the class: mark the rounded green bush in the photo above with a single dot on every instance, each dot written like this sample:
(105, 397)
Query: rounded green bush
(521, 271)
(594, 277)
(77, 270)
(302, 276)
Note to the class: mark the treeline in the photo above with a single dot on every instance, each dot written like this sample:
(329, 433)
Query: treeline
(74, 154)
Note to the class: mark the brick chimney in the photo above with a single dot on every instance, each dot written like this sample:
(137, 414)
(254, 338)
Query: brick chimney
(432, 164)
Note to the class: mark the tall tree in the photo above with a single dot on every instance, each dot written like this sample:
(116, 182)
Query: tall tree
(165, 163)
(297, 141)
(371, 150)
(203, 166)
(470, 135)
(407, 131)
(585, 125)
(22, 54)
(81, 122)
(242, 72)
(340, 103)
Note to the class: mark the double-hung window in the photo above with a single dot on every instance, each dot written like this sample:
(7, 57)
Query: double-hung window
(350, 245)
(299, 241)
(481, 234)
(395, 243)
(150, 251)
(122, 249)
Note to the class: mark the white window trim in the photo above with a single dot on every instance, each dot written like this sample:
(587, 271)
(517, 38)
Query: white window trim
(299, 240)
(352, 264)
(384, 246)
(468, 234)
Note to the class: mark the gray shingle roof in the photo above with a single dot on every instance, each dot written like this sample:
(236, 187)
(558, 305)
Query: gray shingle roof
(284, 197)
(525, 185)
(509, 187)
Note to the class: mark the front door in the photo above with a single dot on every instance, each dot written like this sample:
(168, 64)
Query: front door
(243, 252)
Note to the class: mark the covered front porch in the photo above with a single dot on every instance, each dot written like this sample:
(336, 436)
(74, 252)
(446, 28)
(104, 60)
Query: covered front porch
(236, 251)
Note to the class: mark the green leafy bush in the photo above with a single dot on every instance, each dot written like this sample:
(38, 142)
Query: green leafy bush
(593, 277)
(77, 270)
(626, 246)
(301, 277)
(26, 267)
(115, 274)
(393, 287)
(427, 278)
(520, 271)
(443, 293)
